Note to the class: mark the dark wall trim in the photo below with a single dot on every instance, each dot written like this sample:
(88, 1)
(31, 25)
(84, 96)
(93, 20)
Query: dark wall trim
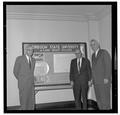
(54, 105)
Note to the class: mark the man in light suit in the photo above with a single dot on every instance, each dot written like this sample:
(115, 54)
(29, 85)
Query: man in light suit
(80, 74)
(23, 71)
(101, 75)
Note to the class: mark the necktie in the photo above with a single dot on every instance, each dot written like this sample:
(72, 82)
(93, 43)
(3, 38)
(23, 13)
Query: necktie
(79, 65)
(29, 63)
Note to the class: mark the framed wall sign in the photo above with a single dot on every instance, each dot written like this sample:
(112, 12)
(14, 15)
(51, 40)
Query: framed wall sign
(53, 63)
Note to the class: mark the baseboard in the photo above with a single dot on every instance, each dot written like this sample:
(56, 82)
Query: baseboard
(58, 105)
(54, 105)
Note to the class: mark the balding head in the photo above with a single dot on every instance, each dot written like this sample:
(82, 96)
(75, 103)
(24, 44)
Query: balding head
(29, 50)
(94, 45)
(78, 53)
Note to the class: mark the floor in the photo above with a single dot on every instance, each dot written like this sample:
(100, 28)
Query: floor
(92, 105)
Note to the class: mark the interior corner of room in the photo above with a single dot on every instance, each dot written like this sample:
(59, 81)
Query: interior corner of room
(51, 24)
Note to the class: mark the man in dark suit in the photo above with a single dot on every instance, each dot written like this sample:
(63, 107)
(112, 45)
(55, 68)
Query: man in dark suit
(23, 71)
(80, 74)
(101, 75)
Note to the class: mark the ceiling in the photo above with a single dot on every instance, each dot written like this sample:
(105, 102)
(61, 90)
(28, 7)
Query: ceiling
(58, 12)
(59, 9)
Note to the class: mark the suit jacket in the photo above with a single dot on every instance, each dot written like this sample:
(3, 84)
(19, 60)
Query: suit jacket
(85, 71)
(101, 66)
(22, 71)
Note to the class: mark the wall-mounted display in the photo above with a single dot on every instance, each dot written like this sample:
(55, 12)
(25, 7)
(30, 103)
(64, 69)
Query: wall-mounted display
(53, 63)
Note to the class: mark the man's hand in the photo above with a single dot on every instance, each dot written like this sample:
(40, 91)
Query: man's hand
(35, 79)
(90, 83)
(72, 83)
(106, 81)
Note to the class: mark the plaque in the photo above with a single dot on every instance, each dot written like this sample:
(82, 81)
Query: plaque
(41, 71)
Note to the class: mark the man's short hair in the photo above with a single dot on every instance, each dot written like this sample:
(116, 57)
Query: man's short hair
(94, 40)
(29, 46)
(77, 51)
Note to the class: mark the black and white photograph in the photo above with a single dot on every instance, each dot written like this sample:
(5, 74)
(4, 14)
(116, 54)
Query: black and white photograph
(60, 57)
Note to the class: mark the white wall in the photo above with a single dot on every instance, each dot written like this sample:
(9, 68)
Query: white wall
(19, 31)
(93, 33)
(105, 32)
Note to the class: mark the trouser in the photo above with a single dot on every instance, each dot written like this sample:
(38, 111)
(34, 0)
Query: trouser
(80, 90)
(102, 92)
(27, 99)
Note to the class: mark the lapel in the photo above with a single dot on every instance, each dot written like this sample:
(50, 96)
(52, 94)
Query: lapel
(31, 61)
(99, 53)
(26, 61)
(25, 58)
(76, 62)
(82, 63)
(76, 66)
(98, 56)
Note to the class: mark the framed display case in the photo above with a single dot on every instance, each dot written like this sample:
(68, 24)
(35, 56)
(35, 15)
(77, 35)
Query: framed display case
(53, 63)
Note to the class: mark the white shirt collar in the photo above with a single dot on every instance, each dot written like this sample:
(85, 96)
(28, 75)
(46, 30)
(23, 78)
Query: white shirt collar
(79, 59)
(78, 62)
(27, 58)
(97, 51)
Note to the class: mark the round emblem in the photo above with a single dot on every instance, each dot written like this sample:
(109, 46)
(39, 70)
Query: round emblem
(41, 68)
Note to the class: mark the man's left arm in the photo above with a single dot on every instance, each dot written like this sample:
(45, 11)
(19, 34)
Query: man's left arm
(34, 62)
(107, 65)
(89, 72)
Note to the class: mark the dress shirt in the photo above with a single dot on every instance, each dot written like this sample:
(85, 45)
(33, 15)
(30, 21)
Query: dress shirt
(79, 59)
(28, 58)
(97, 52)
